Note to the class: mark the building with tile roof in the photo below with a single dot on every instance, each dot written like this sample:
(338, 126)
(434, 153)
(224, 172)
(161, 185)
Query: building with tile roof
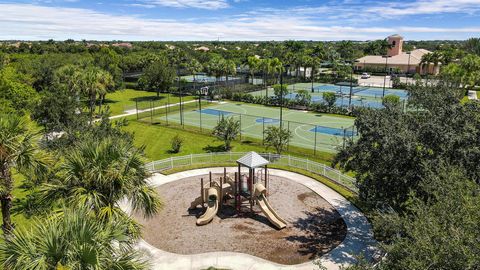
(397, 60)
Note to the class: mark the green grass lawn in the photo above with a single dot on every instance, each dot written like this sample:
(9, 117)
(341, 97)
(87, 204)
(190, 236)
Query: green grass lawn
(125, 99)
(156, 139)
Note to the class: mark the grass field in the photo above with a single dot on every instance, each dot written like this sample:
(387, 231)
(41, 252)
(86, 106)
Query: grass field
(124, 100)
(156, 139)
(310, 130)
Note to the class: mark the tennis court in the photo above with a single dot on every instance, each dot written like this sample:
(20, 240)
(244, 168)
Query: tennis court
(204, 78)
(361, 96)
(310, 130)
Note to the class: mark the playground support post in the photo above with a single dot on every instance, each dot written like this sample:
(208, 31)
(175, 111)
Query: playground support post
(201, 192)
(210, 179)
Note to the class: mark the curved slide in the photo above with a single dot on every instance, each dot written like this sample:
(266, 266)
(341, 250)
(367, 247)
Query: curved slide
(262, 201)
(212, 207)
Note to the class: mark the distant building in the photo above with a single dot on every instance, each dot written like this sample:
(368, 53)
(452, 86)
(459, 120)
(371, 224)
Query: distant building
(123, 45)
(397, 60)
(203, 49)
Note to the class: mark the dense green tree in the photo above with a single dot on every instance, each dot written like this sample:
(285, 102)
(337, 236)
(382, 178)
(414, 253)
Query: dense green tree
(158, 76)
(404, 146)
(18, 95)
(227, 130)
(329, 98)
(74, 240)
(278, 138)
(303, 97)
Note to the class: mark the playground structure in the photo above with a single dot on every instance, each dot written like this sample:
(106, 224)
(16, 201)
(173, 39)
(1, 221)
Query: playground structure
(245, 190)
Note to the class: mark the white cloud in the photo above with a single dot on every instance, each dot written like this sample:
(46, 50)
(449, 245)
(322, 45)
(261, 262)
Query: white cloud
(426, 7)
(201, 4)
(26, 21)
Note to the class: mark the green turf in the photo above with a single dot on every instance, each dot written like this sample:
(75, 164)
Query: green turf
(156, 139)
(298, 122)
(123, 100)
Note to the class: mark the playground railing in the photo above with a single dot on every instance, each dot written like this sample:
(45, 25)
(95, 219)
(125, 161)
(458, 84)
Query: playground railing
(230, 157)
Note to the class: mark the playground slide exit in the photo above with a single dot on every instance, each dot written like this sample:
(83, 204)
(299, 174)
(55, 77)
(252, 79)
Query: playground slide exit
(212, 207)
(262, 201)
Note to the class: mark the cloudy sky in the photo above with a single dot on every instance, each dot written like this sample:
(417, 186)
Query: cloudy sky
(238, 19)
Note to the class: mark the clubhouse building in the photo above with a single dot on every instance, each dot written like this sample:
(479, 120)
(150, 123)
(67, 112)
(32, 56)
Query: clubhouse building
(397, 60)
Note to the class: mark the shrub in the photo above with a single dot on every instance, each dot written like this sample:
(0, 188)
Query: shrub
(176, 144)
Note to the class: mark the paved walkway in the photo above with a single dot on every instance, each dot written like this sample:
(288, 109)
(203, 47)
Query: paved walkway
(359, 239)
(133, 112)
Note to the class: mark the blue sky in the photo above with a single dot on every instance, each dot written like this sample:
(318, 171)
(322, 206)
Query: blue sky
(238, 19)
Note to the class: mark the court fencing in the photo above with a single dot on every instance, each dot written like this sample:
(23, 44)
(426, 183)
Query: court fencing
(251, 126)
(230, 157)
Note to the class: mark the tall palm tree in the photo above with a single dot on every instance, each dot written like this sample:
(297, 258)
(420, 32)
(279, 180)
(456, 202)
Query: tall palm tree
(253, 65)
(101, 173)
(193, 67)
(18, 151)
(276, 68)
(74, 240)
(95, 81)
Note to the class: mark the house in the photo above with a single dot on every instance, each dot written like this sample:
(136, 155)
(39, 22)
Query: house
(397, 60)
(123, 45)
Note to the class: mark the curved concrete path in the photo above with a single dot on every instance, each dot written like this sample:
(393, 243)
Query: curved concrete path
(359, 238)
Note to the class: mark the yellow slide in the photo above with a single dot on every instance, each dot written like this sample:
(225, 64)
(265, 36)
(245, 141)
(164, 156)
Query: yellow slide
(212, 208)
(262, 201)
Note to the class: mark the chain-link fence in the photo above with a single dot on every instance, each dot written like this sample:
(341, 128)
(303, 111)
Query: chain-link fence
(198, 116)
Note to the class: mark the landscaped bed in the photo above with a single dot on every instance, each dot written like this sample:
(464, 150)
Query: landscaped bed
(314, 227)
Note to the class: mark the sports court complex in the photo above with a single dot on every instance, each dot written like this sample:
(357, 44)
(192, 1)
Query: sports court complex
(362, 96)
(310, 130)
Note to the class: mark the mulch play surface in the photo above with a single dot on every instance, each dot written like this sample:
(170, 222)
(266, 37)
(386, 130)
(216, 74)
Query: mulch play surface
(313, 228)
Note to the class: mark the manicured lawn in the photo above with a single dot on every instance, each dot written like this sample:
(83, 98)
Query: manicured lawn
(125, 99)
(157, 139)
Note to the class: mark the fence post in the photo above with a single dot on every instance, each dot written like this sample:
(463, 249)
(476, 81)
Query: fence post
(151, 112)
(324, 170)
(240, 127)
(289, 160)
(191, 159)
(136, 107)
(167, 107)
(307, 164)
(263, 131)
(315, 142)
(171, 163)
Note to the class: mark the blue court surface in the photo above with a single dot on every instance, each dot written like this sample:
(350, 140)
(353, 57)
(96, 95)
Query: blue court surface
(267, 120)
(332, 131)
(214, 112)
(361, 91)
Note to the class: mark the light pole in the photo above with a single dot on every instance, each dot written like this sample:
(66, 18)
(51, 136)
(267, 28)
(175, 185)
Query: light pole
(385, 78)
(408, 67)
(351, 83)
(281, 95)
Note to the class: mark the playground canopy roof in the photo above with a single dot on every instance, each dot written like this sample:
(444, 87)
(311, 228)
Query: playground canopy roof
(252, 160)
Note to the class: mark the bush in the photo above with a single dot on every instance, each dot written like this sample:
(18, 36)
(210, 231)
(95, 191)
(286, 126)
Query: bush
(176, 144)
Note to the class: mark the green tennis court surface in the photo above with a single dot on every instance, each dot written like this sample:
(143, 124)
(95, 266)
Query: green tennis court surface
(310, 130)
(363, 96)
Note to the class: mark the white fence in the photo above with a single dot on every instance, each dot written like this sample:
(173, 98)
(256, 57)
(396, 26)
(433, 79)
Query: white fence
(230, 157)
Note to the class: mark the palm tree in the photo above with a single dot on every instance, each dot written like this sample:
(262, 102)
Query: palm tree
(101, 173)
(95, 81)
(19, 152)
(276, 68)
(193, 67)
(229, 68)
(253, 65)
(74, 240)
